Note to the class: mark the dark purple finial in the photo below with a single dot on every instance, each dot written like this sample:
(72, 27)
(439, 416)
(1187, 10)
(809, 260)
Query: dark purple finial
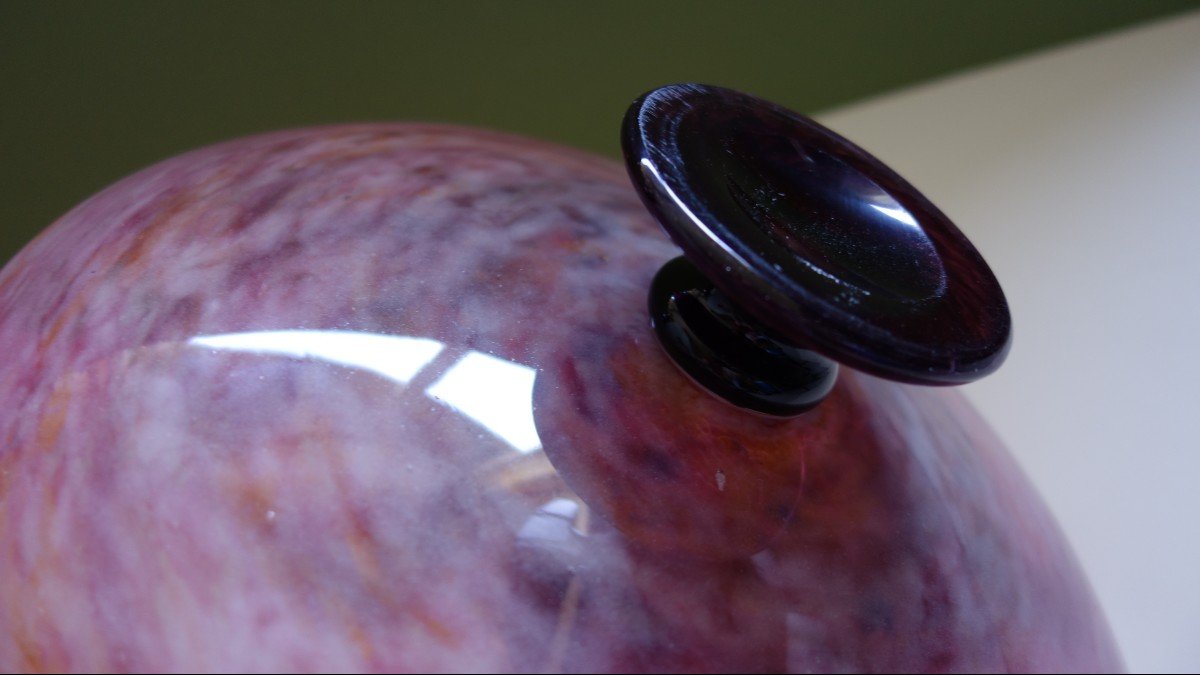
(800, 247)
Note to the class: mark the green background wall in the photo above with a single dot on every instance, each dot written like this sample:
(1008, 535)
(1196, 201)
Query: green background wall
(92, 91)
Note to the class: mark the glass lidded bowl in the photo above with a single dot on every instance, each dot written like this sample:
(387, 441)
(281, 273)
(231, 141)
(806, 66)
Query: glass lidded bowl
(391, 397)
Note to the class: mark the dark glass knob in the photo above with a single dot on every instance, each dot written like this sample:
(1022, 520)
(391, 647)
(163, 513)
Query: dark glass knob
(800, 247)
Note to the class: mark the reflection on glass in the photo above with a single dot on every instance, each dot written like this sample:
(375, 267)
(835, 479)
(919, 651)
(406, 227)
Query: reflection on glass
(491, 391)
(552, 526)
(896, 213)
(396, 357)
(497, 394)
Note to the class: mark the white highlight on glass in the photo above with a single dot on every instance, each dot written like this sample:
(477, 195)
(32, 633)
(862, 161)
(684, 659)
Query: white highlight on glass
(552, 526)
(396, 357)
(497, 394)
(896, 213)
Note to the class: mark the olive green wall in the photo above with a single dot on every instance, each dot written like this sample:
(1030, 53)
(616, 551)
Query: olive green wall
(92, 91)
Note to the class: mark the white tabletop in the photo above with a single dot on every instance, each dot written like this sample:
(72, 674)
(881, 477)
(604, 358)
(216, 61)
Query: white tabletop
(1077, 173)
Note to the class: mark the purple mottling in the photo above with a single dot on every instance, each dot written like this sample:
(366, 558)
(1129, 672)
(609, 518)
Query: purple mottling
(328, 494)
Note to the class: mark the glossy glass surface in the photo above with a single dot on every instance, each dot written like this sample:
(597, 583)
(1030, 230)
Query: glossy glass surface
(814, 237)
(387, 398)
(727, 352)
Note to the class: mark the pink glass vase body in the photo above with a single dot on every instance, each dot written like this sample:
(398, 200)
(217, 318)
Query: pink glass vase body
(386, 398)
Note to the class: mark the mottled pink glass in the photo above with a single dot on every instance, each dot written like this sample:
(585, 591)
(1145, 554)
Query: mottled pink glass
(386, 397)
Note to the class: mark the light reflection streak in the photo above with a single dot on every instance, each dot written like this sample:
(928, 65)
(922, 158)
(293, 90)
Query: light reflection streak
(896, 213)
(496, 393)
(493, 392)
(396, 357)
